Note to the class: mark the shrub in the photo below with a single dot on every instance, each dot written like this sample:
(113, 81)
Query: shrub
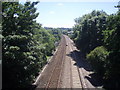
(97, 58)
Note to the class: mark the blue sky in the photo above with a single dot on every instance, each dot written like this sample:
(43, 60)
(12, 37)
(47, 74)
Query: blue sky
(62, 14)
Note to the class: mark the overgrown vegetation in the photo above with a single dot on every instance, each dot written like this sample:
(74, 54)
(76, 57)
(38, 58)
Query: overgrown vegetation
(25, 44)
(98, 59)
(97, 35)
(88, 30)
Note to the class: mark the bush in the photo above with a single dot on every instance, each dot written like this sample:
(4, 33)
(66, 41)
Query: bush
(97, 58)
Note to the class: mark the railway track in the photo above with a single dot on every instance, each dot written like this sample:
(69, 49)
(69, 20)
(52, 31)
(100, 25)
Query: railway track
(61, 72)
(56, 72)
(83, 86)
(81, 65)
(51, 76)
(74, 56)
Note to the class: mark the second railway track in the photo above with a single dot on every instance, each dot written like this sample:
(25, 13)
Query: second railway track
(73, 55)
(51, 76)
(56, 72)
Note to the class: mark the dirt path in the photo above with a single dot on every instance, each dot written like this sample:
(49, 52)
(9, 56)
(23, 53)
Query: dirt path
(67, 69)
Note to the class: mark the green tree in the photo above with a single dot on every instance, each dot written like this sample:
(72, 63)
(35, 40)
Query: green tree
(90, 28)
(20, 63)
(112, 43)
(98, 60)
(99, 34)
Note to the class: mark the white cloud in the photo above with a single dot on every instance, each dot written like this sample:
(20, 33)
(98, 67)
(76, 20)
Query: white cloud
(60, 4)
(52, 12)
(88, 10)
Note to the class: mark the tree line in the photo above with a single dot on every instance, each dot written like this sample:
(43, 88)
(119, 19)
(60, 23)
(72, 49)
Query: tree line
(25, 44)
(97, 36)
